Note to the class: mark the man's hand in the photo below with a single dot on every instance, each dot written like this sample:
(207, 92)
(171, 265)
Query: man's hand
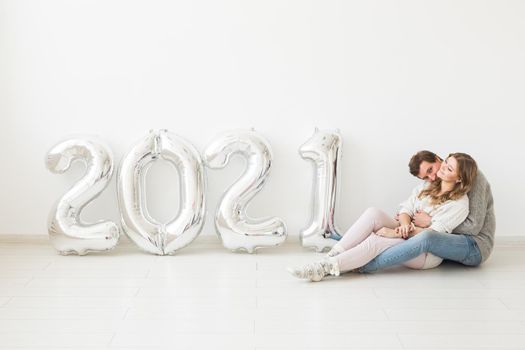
(388, 232)
(422, 219)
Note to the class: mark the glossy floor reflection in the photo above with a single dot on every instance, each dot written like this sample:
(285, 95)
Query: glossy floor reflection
(208, 298)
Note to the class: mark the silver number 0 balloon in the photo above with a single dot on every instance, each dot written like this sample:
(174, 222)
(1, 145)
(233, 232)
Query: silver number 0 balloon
(67, 233)
(152, 236)
(324, 150)
(236, 230)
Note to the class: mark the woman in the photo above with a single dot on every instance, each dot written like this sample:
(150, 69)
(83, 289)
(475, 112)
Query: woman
(375, 231)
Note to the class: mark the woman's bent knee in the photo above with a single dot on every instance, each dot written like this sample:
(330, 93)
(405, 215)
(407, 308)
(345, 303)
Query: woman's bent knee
(373, 211)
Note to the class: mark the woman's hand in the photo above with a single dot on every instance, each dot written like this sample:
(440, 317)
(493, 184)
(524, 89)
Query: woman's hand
(388, 232)
(405, 230)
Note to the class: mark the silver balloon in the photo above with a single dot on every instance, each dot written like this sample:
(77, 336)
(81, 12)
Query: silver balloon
(324, 150)
(236, 230)
(141, 228)
(66, 231)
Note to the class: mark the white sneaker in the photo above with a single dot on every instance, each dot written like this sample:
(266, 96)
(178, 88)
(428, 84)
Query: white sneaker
(336, 250)
(317, 270)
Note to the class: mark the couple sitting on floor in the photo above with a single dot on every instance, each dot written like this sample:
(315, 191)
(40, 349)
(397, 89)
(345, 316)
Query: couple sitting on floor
(449, 216)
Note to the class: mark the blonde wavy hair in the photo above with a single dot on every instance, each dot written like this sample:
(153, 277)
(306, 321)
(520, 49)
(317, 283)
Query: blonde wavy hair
(467, 170)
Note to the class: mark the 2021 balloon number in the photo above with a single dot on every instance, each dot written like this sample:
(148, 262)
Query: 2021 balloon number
(238, 232)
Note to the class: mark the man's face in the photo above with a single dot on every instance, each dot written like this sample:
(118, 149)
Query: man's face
(428, 171)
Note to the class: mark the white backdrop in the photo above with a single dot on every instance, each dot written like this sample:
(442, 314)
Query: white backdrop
(394, 76)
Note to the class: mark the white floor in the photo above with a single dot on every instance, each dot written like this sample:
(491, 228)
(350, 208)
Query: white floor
(208, 298)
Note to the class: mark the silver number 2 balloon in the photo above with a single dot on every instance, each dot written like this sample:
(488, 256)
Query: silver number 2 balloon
(236, 230)
(324, 150)
(67, 233)
(141, 228)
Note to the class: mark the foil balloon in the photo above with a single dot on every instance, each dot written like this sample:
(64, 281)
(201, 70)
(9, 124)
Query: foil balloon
(237, 231)
(150, 235)
(67, 233)
(323, 149)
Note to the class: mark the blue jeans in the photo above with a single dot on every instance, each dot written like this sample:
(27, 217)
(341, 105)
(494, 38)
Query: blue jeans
(455, 247)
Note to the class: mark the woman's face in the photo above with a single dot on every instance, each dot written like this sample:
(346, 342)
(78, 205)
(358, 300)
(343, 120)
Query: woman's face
(449, 170)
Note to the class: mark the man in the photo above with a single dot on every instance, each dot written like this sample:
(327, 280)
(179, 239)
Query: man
(470, 244)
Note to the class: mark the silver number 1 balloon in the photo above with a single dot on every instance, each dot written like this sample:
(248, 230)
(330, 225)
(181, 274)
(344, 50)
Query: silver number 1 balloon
(324, 150)
(67, 233)
(141, 228)
(236, 230)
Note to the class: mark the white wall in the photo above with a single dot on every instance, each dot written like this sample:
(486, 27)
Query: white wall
(394, 76)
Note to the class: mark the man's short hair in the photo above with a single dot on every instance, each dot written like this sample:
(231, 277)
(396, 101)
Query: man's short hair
(418, 158)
